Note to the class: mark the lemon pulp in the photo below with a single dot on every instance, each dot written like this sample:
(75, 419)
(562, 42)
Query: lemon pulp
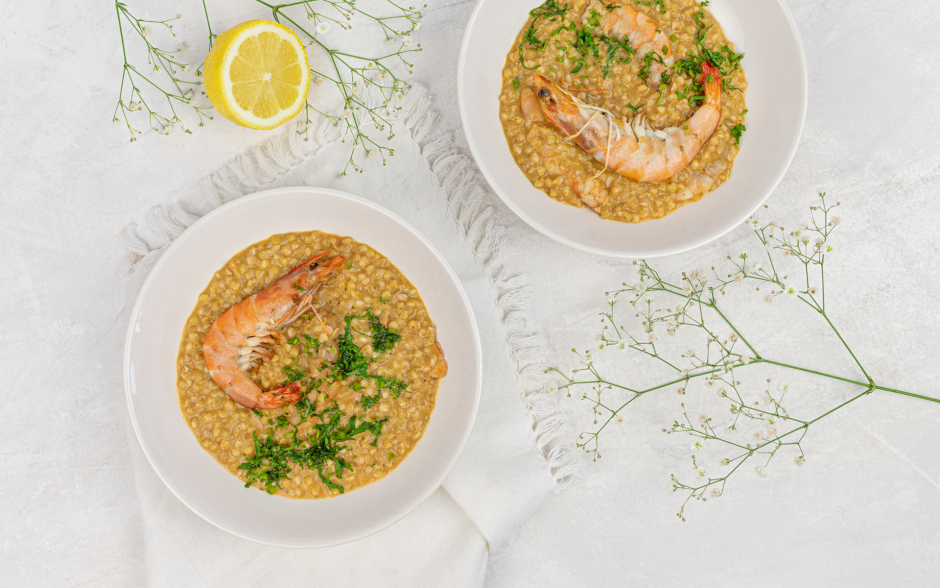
(256, 74)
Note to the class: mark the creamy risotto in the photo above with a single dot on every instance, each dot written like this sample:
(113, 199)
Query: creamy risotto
(363, 361)
(580, 45)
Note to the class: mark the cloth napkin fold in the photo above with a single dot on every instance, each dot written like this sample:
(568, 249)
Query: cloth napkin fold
(520, 449)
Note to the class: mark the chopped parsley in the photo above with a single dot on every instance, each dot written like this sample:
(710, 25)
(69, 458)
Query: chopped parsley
(724, 59)
(383, 338)
(651, 3)
(350, 362)
(737, 131)
(273, 460)
(551, 10)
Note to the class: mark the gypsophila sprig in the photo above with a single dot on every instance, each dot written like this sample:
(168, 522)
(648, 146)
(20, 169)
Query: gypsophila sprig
(356, 75)
(164, 88)
(758, 426)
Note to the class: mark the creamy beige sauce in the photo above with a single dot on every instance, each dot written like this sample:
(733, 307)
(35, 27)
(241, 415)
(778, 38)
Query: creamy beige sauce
(554, 164)
(367, 280)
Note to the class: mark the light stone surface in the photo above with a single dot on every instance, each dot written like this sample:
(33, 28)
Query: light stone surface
(863, 511)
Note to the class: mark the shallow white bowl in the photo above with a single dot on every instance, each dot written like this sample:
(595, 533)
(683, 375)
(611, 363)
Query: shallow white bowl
(153, 337)
(776, 101)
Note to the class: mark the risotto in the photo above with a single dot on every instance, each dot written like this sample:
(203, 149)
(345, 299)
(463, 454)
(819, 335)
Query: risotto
(579, 45)
(364, 360)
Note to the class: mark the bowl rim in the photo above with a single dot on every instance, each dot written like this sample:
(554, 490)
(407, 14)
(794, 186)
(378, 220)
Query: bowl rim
(477, 151)
(416, 500)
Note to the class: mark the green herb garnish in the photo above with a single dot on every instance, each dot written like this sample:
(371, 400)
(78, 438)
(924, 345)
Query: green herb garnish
(550, 10)
(737, 131)
(272, 461)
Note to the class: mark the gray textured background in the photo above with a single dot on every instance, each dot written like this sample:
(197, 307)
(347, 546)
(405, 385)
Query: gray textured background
(863, 511)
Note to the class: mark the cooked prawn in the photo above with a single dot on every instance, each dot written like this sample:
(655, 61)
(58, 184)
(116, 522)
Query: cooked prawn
(243, 335)
(634, 150)
(532, 115)
(619, 21)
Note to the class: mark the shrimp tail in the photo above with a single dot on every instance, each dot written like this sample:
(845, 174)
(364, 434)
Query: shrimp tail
(711, 79)
(288, 394)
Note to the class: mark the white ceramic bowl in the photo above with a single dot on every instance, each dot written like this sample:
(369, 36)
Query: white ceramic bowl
(153, 337)
(776, 98)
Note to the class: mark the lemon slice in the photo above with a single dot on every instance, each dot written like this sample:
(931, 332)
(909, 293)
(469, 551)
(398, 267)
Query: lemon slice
(256, 74)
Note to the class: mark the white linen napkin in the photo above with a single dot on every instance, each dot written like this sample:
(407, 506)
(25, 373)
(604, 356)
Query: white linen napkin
(520, 449)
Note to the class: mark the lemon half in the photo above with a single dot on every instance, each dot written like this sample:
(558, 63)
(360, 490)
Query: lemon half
(256, 74)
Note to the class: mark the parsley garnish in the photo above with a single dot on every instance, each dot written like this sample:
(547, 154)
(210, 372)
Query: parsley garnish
(273, 460)
(350, 362)
(550, 10)
(659, 3)
(737, 131)
(383, 338)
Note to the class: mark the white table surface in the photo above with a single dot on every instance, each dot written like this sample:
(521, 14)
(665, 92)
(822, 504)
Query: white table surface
(863, 511)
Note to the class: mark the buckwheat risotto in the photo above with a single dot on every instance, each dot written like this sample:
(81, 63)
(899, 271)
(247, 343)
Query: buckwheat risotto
(309, 366)
(630, 108)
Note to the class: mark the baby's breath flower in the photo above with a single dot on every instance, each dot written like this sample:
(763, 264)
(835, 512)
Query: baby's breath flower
(813, 290)
(757, 267)
(701, 472)
(416, 26)
(800, 460)
(652, 337)
(745, 359)
(738, 277)
(347, 113)
(406, 41)
(147, 31)
(186, 67)
(791, 290)
(133, 106)
(761, 471)
(725, 462)
(715, 492)
(318, 80)
(390, 41)
(680, 391)
(835, 220)
(709, 383)
(697, 446)
(687, 289)
(116, 122)
(768, 298)
(323, 27)
(771, 433)
(829, 248)
(702, 418)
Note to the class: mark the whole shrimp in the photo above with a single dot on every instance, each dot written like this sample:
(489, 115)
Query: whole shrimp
(619, 21)
(634, 150)
(242, 336)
